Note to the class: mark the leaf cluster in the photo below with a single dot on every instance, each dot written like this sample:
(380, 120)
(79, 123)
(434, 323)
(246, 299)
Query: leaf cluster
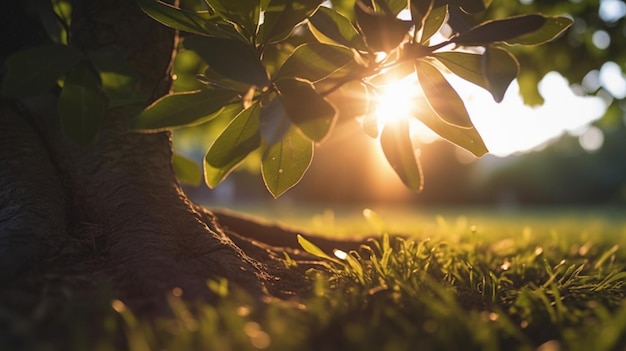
(272, 82)
(89, 83)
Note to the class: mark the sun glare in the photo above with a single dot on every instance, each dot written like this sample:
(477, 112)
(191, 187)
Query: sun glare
(511, 126)
(395, 101)
(508, 127)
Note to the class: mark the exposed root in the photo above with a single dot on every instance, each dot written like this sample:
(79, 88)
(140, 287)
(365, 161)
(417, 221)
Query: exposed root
(275, 235)
(128, 224)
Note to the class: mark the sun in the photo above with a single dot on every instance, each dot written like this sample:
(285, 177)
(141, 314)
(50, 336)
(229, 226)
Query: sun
(397, 101)
(507, 127)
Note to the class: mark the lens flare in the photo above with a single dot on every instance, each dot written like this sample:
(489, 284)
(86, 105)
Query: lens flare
(395, 101)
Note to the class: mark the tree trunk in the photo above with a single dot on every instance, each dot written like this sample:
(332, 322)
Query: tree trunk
(113, 210)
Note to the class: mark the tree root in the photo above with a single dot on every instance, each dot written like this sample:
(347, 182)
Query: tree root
(123, 221)
(112, 211)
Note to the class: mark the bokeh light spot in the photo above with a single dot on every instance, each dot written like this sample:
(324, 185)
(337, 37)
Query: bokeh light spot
(612, 79)
(592, 139)
(611, 11)
(601, 39)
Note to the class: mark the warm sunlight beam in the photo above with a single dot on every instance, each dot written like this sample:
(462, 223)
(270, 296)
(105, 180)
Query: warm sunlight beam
(395, 102)
(508, 127)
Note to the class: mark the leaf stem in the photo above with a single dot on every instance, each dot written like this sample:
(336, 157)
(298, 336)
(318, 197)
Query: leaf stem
(409, 52)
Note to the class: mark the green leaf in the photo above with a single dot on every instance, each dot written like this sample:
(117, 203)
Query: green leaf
(433, 22)
(313, 115)
(396, 6)
(274, 121)
(393, 74)
(493, 71)
(398, 149)
(285, 162)
(217, 80)
(57, 26)
(314, 250)
(82, 105)
(500, 68)
(281, 16)
(389, 7)
(36, 70)
(467, 138)
(118, 78)
(243, 13)
(231, 58)
(553, 27)
(441, 96)
(201, 23)
(183, 109)
(186, 170)
(420, 9)
(381, 32)
(356, 266)
(237, 141)
(500, 30)
(465, 65)
(315, 61)
(329, 26)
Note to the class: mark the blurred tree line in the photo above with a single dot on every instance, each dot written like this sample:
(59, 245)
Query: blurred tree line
(564, 172)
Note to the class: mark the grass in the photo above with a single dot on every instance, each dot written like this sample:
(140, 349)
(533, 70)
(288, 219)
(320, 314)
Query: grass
(479, 282)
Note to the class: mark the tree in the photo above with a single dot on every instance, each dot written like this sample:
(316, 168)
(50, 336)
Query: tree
(87, 172)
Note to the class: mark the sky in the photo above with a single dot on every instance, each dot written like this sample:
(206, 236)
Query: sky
(511, 126)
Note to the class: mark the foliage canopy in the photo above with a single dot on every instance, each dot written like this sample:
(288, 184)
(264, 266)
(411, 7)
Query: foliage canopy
(270, 66)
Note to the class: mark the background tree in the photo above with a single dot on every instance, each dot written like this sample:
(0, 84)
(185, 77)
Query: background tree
(597, 35)
(87, 174)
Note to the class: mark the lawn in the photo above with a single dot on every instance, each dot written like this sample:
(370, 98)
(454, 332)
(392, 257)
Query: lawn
(468, 279)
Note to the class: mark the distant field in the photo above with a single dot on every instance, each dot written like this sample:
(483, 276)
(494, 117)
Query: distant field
(349, 220)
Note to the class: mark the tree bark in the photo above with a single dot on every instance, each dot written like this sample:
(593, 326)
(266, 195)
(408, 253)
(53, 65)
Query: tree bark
(115, 207)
